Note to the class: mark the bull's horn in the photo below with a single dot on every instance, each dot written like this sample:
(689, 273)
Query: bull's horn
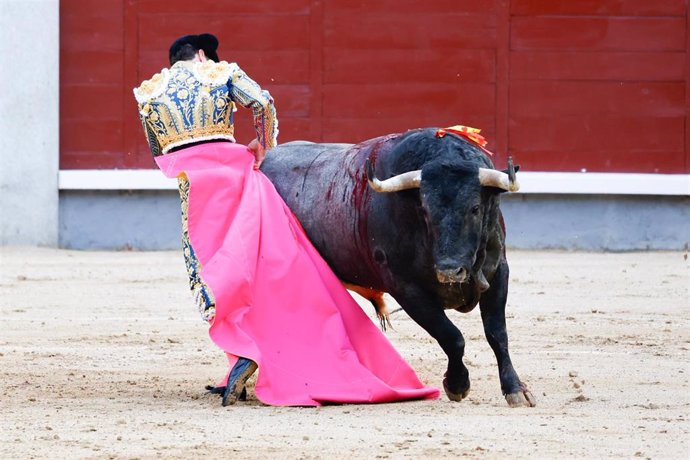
(493, 178)
(397, 183)
(511, 170)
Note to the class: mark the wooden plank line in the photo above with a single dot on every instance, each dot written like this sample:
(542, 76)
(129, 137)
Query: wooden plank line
(501, 143)
(687, 87)
(131, 130)
(634, 8)
(316, 70)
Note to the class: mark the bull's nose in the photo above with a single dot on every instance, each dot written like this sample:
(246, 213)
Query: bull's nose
(453, 275)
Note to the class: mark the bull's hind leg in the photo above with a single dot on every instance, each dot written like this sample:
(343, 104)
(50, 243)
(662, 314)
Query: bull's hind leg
(426, 312)
(493, 308)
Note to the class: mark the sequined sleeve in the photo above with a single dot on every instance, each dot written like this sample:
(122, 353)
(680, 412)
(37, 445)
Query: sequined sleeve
(151, 138)
(247, 93)
(203, 297)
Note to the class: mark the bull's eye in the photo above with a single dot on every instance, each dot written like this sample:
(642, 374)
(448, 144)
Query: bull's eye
(475, 209)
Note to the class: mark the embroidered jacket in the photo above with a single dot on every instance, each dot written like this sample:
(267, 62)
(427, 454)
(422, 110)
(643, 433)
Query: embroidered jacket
(192, 102)
(195, 101)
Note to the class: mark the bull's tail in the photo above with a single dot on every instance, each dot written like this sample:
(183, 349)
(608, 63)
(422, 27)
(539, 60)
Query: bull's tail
(377, 300)
(383, 314)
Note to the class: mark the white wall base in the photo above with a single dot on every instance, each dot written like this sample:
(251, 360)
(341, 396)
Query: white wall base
(530, 182)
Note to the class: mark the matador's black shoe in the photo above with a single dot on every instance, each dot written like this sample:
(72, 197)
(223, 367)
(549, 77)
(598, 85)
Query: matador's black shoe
(240, 373)
(210, 389)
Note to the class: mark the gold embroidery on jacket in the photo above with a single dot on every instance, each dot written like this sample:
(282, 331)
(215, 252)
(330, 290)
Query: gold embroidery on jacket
(186, 104)
(249, 94)
(203, 297)
(195, 101)
(152, 87)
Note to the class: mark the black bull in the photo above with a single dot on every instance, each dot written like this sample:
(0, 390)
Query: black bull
(435, 244)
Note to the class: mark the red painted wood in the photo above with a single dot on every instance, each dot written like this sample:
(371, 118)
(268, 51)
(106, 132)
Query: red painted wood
(258, 32)
(503, 81)
(399, 30)
(132, 154)
(95, 32)
(352, 130)
(395, 100)
(591, 133)
(601, 85)
(90, 8)
(101, 160)
(291, 100)
(229, 8)
(412, 7)
(456, 66)
(91, 61)
(268, 67)
(598, 34)
(606, 161)
(294, 128)
(97, 136)
(687, 90)
(244, 129)
(104, 102)
(577, 65)
(599, 7)
(644, 99)
(316, 78)
(91, 67)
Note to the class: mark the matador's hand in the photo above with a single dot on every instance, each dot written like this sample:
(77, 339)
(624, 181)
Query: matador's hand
(259, 152)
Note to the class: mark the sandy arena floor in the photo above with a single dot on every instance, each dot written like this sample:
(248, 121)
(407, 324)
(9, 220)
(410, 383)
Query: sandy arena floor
(102, 355)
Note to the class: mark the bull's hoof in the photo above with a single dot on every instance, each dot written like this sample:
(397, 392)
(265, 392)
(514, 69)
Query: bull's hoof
(521, 398)
(459, 396)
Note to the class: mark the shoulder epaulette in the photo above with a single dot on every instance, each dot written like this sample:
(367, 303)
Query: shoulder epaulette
(215, 73)
(152, 87)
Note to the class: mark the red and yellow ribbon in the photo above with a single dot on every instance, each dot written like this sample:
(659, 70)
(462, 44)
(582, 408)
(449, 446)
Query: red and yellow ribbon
(472, 134)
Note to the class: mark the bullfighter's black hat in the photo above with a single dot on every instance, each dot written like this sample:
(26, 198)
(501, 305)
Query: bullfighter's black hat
(206, 42)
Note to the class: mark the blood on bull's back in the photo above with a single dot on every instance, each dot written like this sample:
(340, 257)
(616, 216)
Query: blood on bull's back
(325, 185)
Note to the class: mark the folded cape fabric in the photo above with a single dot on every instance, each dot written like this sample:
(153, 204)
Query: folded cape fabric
(277, 301)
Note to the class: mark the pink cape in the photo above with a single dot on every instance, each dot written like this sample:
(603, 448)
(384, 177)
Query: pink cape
(277, 301)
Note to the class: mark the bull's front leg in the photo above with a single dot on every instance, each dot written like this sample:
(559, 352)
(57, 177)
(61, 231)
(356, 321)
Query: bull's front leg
(493, 308)
(426, 312)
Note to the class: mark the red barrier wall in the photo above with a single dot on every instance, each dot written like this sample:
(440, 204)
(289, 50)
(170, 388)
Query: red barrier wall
(562, 86)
